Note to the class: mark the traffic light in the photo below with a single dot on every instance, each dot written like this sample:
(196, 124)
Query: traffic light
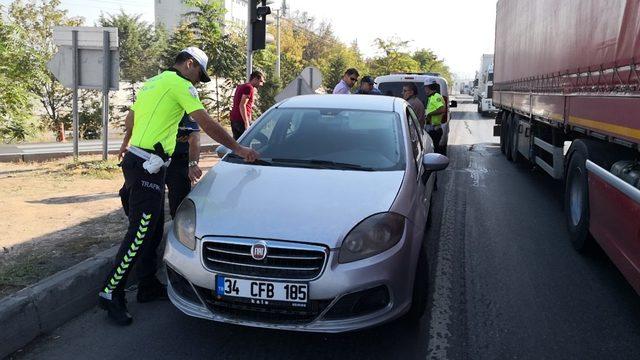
(258, 18)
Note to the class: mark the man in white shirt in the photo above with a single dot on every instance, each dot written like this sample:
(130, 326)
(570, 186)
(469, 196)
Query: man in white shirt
(349, 79)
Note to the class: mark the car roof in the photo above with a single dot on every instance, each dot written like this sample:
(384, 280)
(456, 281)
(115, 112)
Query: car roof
(417, 78)
(406, 77)
(364, 102)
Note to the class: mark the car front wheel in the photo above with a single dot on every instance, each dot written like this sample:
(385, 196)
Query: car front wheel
(420, 290)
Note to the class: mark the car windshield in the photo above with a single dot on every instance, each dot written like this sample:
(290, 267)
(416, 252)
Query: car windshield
(328, 138)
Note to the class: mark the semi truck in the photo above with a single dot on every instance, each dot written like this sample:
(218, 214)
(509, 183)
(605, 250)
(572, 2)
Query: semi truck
(484, 90)
(567, 86)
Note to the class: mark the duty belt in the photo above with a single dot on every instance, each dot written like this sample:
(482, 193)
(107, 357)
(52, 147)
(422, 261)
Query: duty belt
(153, 162)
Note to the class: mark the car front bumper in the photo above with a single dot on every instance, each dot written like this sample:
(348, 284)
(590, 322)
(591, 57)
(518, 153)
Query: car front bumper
(192, 286)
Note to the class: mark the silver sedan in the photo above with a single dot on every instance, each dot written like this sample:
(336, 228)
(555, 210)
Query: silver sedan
(324, 233)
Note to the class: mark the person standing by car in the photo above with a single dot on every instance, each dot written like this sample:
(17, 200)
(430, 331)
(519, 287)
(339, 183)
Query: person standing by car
(183, 169)
(154, 118)
(367, 87)
(435, 110)
(243, 103)
(410, 93)
(348, 80)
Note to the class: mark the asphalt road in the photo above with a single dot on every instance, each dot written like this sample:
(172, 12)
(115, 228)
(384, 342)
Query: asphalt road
(505, 282)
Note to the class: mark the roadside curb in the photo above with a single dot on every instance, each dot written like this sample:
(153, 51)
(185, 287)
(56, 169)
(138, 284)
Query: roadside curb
(42, 307)
(50, 303)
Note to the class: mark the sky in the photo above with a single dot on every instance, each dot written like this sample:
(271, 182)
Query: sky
(459, 31)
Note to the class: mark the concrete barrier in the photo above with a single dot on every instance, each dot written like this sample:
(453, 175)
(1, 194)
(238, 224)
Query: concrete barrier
(50, 303)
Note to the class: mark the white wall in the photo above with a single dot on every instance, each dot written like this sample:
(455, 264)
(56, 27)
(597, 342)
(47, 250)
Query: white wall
(170, 12)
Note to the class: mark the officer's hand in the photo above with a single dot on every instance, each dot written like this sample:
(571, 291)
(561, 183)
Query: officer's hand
(248, 154)
(194, 173)
(122, 151)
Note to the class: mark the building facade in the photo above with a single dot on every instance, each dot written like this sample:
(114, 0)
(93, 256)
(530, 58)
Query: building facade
(171, 13)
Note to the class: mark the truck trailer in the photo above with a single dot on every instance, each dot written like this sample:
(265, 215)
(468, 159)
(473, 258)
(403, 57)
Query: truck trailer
(567, 86)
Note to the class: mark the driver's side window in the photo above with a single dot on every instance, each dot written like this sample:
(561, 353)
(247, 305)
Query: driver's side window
(414, 118)
(415, 137)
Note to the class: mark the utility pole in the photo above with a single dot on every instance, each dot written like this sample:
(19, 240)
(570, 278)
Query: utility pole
(278, 43)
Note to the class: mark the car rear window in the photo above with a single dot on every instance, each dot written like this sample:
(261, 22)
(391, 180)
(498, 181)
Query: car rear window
(395, 89)
(370, 139)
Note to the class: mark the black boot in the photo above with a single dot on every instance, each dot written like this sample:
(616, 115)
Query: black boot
(116, 309)
(151, 290)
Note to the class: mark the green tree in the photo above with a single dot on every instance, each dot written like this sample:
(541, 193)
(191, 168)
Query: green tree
(140, 47)
(36, 19)
(183, 37)
(228, 68)
(429, 62)
(17, 75)
(265, 61)
(395, 58)
(335, 69)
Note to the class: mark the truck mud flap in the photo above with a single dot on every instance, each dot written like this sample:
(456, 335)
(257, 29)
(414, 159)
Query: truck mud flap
(496, 129)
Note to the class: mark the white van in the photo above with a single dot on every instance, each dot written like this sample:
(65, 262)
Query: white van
(391, 85)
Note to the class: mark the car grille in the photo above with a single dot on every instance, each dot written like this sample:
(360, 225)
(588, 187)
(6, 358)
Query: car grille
(283, 261)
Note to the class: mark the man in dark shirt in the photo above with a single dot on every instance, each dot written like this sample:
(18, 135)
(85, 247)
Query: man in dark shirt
(367, 87)
(243, 104)
(183, 169)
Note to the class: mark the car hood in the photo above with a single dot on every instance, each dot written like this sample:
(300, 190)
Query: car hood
(292, 204)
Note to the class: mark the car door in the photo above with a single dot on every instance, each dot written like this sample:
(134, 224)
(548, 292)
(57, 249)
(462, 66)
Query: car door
(416, 137)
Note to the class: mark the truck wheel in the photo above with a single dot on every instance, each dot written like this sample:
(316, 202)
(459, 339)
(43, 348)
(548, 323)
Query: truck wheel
(503, 131)
(508, 137)
(515, 154)
(576, 197)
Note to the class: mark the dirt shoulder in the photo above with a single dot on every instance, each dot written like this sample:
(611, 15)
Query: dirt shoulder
(57, 214)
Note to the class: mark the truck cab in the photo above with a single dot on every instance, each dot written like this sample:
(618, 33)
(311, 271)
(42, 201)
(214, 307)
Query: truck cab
(485, 87)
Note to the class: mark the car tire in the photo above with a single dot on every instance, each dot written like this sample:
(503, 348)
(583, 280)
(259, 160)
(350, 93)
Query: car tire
(420, 290)
(576, 197)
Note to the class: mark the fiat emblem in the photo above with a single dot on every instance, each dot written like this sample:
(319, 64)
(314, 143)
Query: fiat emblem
(259, 251)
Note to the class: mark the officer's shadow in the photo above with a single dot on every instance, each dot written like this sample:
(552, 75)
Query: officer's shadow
(232, 198)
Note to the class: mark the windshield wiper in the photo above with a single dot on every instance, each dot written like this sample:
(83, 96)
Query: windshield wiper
(324, 164)
(257, 162)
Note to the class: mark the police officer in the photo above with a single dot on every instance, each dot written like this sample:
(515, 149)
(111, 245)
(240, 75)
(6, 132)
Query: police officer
(158, 109)
(183, 170)
(435, 111)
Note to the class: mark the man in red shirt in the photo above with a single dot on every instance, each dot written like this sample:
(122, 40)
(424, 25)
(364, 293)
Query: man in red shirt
(243, 103)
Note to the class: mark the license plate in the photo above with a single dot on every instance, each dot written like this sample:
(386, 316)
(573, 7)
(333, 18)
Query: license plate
(261, 292)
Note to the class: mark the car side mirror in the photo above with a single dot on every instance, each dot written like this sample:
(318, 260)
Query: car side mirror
(453, 104)
(222, 150)
(435, 162)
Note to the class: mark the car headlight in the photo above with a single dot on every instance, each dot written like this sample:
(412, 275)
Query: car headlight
(184, 224)
(372, 236)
